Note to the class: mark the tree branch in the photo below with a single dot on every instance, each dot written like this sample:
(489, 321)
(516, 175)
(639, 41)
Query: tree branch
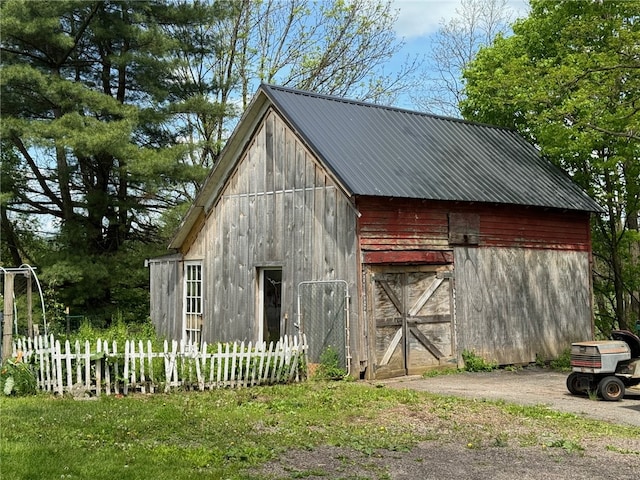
(42, 181)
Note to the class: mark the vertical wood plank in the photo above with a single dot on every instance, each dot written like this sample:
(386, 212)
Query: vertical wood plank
(58, 368)
(78, 363)
(141, 355)
(107, 368)
(200, 380)
(150, 356)
(98, 367)
(68, 368)
(116, 368)
(125, 387)
(44, 384)
(87, 366)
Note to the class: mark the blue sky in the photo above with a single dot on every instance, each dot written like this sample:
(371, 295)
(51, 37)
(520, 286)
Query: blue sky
(418, 20)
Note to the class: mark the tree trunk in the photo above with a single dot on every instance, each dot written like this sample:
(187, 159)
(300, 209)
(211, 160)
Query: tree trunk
(634, 258)
(10, 238)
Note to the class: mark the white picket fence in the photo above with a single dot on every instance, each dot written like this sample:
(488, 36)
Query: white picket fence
(105, 367)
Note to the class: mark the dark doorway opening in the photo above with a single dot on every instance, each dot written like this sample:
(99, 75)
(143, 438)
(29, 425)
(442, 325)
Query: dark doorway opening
(271, 304)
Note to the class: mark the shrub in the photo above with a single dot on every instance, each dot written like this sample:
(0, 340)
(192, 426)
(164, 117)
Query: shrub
(563, 362)
(330, 368)
(474, 363)
(17, 378)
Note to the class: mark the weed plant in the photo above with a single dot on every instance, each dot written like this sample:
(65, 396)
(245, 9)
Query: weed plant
(17, 378)
(563, 362)
(475, 363)
(330, 367)
(119, 331)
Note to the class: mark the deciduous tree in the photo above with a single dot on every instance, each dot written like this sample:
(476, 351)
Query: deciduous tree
(334, 47)
(569, 80)
(476, 24)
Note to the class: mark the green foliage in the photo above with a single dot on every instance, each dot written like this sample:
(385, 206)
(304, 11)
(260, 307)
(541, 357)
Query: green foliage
(563, 362)
(567, 81)
(119, 331)
(439, 371)
(330, 367)
(474, 363)
(568, 445)
(88, 137)
(17, 378)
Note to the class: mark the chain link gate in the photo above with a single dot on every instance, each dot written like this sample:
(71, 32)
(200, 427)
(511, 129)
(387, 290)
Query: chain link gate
(323, 316)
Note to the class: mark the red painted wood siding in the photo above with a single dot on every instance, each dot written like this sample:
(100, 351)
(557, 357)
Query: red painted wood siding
(395, 230)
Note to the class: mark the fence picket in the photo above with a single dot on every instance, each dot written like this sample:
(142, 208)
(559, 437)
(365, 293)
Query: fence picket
(267, 364)
(150, 360)
(219, 366)
(98, 367)
(42, 383)
(107, 368)
(226, 365)
(49, 364)
(125, 374)
(203, 363)
(276, 360)
(64, 368)
(87, 366)
(143, 387)
(116, 368)
(172, 367)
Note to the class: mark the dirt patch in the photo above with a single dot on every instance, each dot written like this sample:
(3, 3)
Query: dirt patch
(434, 460)
(479, 440)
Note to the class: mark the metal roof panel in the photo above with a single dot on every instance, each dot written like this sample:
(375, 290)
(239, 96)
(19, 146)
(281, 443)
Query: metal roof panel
(385, 151)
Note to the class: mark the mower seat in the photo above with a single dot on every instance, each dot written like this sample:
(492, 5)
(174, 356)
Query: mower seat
(630, 339)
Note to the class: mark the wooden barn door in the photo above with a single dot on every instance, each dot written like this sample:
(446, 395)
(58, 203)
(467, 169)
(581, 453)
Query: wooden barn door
(411, 308)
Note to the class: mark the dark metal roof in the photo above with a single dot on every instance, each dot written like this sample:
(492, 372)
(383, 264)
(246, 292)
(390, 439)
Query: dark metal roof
(383, 151)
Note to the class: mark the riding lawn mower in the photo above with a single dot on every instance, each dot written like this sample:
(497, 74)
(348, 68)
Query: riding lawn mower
(605, 367)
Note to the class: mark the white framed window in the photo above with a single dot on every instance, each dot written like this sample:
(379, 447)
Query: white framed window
(193, 302)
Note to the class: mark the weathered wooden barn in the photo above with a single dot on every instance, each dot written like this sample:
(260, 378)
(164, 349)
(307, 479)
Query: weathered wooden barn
(401, 239)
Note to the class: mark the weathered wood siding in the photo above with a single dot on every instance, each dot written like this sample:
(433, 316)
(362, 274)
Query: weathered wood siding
(396, 230)
(165, 277)
(403, 231)
(278, 209)
(513, 304)
(509, 226)
(521, 274)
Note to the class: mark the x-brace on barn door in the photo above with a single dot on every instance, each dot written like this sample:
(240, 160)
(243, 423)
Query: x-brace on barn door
(413, 322)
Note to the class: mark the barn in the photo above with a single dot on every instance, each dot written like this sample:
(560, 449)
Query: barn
(398, 239)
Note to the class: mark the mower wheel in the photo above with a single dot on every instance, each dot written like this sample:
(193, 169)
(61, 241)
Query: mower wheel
(611, 389)
(573, 381)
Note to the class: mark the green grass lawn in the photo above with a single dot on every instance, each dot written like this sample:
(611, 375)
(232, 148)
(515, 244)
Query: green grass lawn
(220, 434)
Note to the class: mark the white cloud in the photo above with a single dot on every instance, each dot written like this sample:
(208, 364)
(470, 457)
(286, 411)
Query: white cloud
(418, 18)
(421, 18)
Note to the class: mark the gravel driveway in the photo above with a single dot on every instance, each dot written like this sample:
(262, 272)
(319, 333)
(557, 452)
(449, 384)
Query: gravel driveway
(529, 386)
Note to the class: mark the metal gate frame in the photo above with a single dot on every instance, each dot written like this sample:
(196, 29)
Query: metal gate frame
(300, 324)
